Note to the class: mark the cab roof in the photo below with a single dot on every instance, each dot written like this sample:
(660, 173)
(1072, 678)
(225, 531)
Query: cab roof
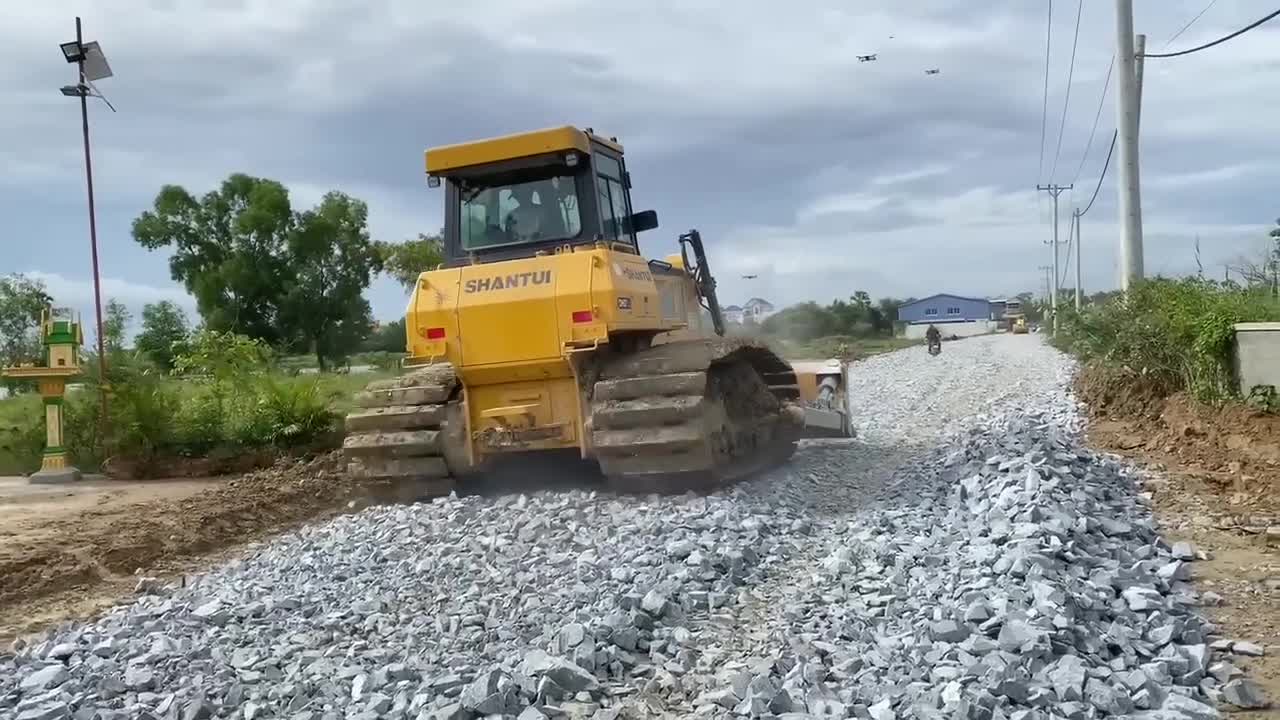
(444, 158)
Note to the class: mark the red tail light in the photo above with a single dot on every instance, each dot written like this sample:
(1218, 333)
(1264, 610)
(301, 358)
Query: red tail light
(435, 333)
(582, 316)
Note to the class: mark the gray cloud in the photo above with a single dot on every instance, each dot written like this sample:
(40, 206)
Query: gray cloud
(822, 174)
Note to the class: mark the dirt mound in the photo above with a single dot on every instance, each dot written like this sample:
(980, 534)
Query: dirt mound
(1222, 463)
(108, 545)
(1118, 392)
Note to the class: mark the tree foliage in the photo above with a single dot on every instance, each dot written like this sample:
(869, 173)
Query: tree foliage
(858, 316)
(388, 337)
(223, 356)
(332, 261)
(21, 302)
(405, 261)
(115, 325)
(229, 250)
(256, 267)
(164, 333)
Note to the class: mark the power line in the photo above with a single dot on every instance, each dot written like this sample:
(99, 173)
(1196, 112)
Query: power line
(1219, 41)
(1190, 22)
(1097, 116)
(1066, 102)
(1105, 165)
(1044, 111)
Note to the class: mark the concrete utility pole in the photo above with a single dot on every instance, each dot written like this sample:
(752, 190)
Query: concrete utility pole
(1127, 108)
(1048, 288)
(1054, 191)
(1140, 63)
(1076, 216)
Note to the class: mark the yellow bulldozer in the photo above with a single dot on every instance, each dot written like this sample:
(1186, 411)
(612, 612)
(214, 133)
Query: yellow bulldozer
(546, 329)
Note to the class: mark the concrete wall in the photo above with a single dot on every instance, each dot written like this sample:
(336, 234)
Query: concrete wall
(959, 329)
(939, 309)
(1257, 355)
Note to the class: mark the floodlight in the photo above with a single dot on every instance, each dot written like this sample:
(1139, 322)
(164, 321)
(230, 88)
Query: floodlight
(74, 90)
(72, 51)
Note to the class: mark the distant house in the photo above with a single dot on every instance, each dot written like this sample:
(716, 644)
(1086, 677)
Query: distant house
(756, 310)
(953, 314)
(732, 314)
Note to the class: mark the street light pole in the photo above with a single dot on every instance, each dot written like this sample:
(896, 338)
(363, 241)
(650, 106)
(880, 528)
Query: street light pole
(91, 64)
(93, 224)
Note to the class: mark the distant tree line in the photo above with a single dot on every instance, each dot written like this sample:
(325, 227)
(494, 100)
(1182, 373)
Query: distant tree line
(858, 316)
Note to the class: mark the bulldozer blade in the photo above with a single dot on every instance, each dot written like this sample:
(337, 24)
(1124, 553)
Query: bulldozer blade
(820, 423)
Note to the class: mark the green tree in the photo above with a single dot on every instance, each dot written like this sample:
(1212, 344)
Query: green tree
(332, 260)
(405, 261)
(223, 355)
(21, 302)
(388, 337)
(164, 333)
(888, 308)
(229, 251)
(259, 269)
(802, 322)
(115, 324)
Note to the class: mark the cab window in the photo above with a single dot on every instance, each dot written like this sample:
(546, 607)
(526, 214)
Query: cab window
(612, 199)
(516, 213)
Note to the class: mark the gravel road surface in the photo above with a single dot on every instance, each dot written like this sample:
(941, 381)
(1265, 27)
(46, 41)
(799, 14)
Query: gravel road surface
(966, 557)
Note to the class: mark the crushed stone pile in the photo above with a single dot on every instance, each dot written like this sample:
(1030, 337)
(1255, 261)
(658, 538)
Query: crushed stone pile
(967, 557)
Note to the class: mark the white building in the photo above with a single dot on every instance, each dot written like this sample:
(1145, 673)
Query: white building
(756, 310)
(732, 314)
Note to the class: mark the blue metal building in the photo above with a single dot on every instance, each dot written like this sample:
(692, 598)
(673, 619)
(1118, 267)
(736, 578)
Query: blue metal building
(944, 308)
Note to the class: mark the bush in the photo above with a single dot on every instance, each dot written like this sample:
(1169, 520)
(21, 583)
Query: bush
(141, 406)
(284, 414)
(1172, 335)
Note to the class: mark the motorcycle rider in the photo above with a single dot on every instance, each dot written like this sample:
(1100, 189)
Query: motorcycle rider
(933, 336)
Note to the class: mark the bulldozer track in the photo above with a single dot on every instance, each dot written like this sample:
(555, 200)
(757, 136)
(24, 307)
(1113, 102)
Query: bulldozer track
(688, 415)
(400, 430)
(691, 415)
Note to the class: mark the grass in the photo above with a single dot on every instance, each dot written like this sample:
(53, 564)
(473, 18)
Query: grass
(850, 348)
(383, 361)
(22, 422)
(17, 416)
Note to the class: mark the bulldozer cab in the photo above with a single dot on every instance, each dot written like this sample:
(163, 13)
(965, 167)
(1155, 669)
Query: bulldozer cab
(534, 193)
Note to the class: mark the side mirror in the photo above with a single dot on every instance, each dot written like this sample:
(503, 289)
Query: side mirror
(641, 221)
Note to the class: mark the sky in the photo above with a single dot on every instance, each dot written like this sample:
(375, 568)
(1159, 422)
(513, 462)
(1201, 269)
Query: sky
(820, 174)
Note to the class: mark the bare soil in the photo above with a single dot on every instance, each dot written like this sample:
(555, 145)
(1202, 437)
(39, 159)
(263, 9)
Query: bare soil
(1215, 482)
(70, 551)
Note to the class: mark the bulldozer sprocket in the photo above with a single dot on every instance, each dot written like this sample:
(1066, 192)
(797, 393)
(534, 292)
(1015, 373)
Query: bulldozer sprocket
(692, 415)
(399, 430)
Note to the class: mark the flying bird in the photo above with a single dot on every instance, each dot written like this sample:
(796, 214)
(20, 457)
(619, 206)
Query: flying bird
(867, 58)
(932, 71)
(750, 277)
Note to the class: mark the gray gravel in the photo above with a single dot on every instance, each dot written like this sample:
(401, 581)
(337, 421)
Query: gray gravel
(966, 557)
